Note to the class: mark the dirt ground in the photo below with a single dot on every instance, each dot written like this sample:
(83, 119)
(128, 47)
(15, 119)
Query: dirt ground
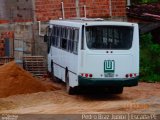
(144, 98)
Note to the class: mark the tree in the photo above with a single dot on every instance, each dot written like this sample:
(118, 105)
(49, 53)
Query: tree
(143, 1)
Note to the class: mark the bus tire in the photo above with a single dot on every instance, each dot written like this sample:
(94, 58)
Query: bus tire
(69, 89)
(116, 90)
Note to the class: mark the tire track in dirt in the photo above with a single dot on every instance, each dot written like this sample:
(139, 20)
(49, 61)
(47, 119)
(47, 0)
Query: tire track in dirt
(144, 98)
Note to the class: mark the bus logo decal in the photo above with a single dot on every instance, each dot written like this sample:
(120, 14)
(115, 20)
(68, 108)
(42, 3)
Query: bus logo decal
(109, 66)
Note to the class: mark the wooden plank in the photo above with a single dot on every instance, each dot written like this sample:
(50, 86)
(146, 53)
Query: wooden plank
(4, 60)
(35, 65)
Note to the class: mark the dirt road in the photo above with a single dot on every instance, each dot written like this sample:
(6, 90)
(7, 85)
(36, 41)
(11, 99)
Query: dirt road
(144, 98)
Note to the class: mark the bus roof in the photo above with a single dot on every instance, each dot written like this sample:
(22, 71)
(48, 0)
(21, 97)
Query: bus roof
(89, 22)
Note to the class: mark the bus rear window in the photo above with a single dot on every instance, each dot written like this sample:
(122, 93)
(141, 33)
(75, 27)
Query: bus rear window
(109, 37)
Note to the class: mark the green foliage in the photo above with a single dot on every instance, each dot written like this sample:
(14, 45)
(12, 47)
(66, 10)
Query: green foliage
(149, 59)
(144, 1)
(148, 1)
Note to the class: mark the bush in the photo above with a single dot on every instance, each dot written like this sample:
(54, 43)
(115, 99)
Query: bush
(149, 59)
(148, 1)
(144, 1)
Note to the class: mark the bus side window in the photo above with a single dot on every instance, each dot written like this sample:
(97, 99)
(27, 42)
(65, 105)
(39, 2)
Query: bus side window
(58, 33)
(64, 38)
(56, 37)
(73, 37)
(76, 37)
(52, 36)
(70, 40)
(64, 43)
(82, 38)
(49, 42)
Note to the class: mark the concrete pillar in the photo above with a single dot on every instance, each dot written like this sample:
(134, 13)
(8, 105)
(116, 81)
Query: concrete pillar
(110, 8)
(128, 2)
(33, 10)
(77, 8)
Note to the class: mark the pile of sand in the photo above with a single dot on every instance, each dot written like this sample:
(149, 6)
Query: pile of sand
(15, 80)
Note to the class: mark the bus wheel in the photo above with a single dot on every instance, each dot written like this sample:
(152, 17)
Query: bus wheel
(116, 90)
(69, 89)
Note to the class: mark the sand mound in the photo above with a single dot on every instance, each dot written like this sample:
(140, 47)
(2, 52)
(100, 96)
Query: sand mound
(15, 80)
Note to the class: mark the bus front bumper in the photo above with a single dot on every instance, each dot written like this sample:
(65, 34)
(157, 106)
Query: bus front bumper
(123, 82)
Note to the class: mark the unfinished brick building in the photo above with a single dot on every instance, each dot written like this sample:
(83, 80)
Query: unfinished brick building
(53, 9)
(22, 16)
(44, 10)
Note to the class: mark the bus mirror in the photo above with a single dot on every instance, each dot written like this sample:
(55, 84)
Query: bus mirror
(45, 38)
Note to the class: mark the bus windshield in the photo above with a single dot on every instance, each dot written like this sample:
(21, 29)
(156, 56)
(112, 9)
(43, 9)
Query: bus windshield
(109, 37)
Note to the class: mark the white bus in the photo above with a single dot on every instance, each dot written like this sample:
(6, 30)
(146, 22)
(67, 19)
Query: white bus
(94, 52)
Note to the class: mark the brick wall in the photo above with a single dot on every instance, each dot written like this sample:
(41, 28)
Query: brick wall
(23, 11)
(16, 11)
(47, 9)
(44, 10)
(2, 9)
(51, 9)
(119, 7)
